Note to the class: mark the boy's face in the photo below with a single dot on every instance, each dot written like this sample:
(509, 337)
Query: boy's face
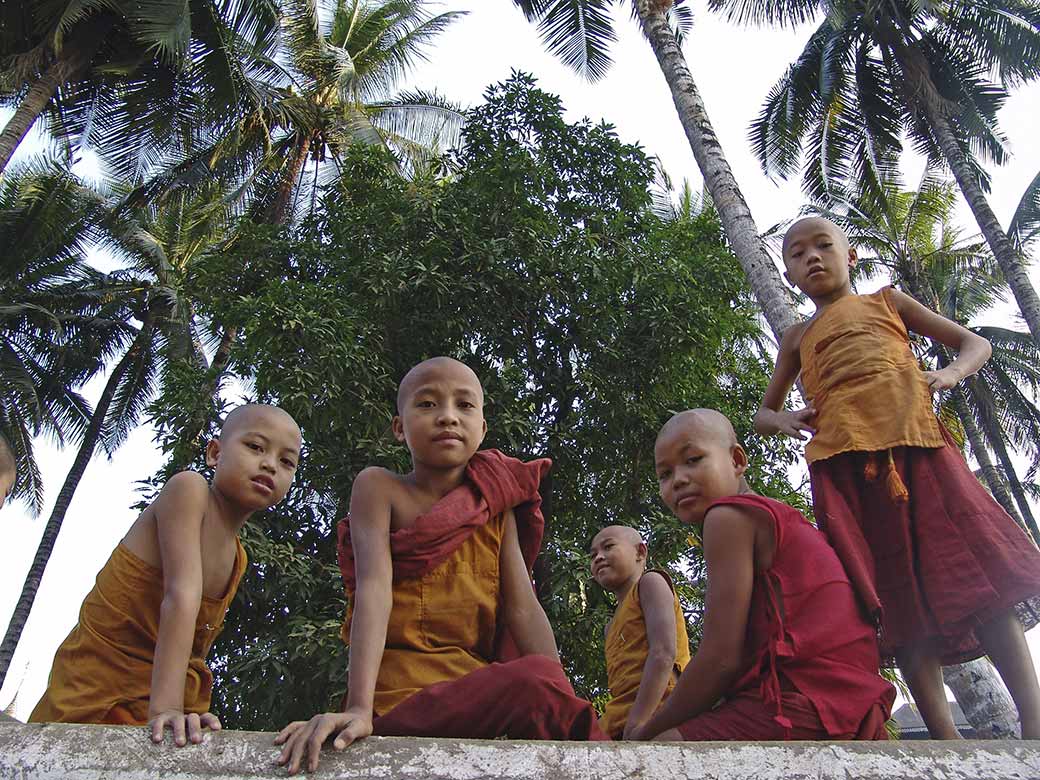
(695, 465)
(818, 258)
(441, 413)
(617, 554)
(255, 458)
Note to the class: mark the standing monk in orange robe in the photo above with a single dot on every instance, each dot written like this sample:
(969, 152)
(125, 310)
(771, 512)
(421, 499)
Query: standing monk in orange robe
(437, 567)
(138, 653)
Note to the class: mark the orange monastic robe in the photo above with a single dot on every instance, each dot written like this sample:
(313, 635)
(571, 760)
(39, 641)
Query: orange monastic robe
(442, 624)
(627, 647)
(102, 672)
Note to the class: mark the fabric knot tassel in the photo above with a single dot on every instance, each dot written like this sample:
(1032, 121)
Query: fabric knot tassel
(896, 488)
(870, 469)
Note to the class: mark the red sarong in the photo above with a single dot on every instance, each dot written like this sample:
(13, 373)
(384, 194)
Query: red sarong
(810, 658)
(746, 718)
(935, 567)
(529, 698)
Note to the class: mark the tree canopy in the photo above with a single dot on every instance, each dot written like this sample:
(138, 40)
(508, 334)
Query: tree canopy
(541, 264)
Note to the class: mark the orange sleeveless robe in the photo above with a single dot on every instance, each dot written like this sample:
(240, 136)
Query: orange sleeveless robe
(868, 389)
(627, 647)
(443, 623)
(102, 673)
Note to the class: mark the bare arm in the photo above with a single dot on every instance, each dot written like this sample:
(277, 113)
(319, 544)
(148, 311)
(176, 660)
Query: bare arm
(972, 349)
(729, 550)
(771, 416)
(373, 599)
(658, 603)
(178, 512)
(523, 615)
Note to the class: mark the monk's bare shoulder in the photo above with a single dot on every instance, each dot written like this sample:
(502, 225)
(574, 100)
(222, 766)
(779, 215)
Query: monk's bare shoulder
(791, 340)
(181, 506)
(372, 497)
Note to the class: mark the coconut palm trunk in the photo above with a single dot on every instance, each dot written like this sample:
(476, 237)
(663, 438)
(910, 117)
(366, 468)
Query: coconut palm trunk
(924, 94)
(984, 700)
(74, 57)
(995, 436)
(79, 466)
(990, 475)
(734, 213)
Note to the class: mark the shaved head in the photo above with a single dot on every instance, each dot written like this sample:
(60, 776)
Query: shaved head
(620, 532)
(810, 226)
(436, 366)
(707, 424)
(256, 415)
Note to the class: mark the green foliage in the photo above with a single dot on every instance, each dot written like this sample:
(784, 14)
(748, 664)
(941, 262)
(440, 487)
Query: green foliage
(59, 321)
(542, 265)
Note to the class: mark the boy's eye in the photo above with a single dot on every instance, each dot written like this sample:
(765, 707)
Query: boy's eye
(289, 462)
(424, 404)
(253, 446)
(693, 459)
(663, 475)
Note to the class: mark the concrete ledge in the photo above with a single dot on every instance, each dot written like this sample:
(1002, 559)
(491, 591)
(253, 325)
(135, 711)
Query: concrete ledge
(73, 752)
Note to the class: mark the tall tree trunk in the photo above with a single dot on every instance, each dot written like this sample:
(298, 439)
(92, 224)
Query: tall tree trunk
(188, 442)
(985, 701)
(278, 211)
(995, 437)
(719, 180)
(74, 57)
(50, 531)
(925, 96)
(990, 475)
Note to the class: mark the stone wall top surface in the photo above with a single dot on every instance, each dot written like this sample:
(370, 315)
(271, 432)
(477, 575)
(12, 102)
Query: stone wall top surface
(71, 752)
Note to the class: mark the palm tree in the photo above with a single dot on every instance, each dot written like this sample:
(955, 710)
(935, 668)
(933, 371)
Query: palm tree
(871, 71)
(50, 329)
(580, 33)
(137, 79)
(59, 329)
(344, 71)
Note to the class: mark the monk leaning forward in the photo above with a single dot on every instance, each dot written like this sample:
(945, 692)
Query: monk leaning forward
(437, 567)
(138, 653)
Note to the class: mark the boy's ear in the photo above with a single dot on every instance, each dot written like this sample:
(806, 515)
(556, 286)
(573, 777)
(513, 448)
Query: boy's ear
(483, 431)
(853, 258)
(212, 452)
(740, 459)
(788, 279)
(642, 551)
(397, 427)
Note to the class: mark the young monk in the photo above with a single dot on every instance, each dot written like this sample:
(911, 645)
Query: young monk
(646, 643)
(8, 469)
(137, 655)
(784, 644)
(437, 564)
(932, 553)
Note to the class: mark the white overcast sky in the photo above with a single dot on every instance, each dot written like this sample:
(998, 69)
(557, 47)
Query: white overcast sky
(734, 69)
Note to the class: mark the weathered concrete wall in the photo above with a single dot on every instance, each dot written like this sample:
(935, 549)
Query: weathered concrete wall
(93, 752)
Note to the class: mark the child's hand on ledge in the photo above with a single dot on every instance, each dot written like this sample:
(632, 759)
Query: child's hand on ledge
(303, 739)
(185, 728)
